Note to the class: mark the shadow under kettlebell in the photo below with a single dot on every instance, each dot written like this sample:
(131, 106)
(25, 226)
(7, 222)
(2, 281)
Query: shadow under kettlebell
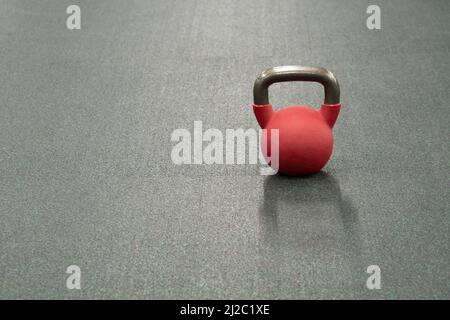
(306, 209)
(308, 229)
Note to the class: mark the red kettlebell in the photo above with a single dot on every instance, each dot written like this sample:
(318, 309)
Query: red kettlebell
(305, 134)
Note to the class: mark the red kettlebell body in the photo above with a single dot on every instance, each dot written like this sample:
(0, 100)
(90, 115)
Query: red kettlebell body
(305, 135)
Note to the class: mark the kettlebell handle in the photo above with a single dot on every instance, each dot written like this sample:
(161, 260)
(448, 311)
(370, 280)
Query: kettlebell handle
(295, 73)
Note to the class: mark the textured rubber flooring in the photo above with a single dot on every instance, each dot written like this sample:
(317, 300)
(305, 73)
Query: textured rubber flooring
(87, 179)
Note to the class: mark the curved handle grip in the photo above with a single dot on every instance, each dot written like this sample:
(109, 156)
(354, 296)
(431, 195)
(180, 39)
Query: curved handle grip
(295, 73)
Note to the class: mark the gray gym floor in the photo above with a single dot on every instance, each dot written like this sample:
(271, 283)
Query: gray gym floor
(87, 179)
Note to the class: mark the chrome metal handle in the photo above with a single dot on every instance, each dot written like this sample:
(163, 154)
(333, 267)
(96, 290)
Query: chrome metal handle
(296, 73)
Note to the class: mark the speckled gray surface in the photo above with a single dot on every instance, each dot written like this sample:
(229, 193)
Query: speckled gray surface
(87, 179)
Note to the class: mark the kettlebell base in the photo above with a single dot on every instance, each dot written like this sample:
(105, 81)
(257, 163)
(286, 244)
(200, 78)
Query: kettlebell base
(298, 171)
(298, 174)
